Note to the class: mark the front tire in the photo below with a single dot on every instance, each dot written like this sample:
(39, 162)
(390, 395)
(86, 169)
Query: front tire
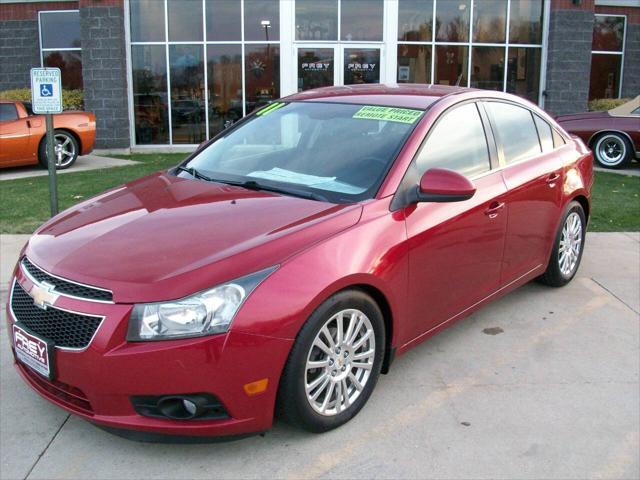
(334, 364)
(568, 247)
(612, 150)
(65, 148)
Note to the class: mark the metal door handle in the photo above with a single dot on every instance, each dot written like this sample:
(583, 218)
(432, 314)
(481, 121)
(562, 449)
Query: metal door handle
(552, 179)
(494, 209)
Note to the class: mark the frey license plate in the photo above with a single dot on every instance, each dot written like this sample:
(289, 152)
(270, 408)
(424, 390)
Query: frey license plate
(34, 352)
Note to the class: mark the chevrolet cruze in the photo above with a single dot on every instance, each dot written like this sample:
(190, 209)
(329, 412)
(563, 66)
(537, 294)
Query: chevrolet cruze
(285, 264)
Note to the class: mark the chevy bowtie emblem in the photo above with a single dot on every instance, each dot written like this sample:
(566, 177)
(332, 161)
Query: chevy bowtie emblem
(43, 295)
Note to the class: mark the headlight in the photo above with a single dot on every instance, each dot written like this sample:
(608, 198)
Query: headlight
(204, 313)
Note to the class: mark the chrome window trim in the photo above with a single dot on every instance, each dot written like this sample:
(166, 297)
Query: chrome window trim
(66, 349)
(85, 299)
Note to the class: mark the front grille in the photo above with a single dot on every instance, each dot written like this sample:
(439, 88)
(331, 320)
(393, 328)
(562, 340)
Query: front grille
(72, 397)
(66, 329)
(65, 287)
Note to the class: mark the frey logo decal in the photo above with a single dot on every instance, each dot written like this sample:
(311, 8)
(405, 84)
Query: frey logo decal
(43, 295)
(32, 351)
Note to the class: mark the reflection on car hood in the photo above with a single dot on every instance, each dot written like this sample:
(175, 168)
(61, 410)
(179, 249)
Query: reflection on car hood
(164, 237)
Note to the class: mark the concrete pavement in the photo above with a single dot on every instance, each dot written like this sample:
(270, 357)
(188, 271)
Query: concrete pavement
(86, 162)
(543, 383)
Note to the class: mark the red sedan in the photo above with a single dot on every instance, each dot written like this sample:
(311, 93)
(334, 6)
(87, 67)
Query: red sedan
(285, 264)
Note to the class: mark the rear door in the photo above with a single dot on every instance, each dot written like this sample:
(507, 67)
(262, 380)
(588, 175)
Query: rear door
(533, 174)
(14, 137)
(455, 249)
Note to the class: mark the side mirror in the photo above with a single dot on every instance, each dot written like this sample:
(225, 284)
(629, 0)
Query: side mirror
(443, 185)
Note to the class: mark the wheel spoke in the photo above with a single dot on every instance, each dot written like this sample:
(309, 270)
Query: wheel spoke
(361, 341)
(317, 364)
(345, 393)
(355, 332)
(355, 381)
(364, 366)
(339, 326)
(327, 397)
(316, 382)
(321, 388)
(364, 355)
(328, 336)
(338, 397)
(318, 342)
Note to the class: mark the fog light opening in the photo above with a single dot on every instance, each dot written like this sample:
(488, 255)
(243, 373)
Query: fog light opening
(189, 406)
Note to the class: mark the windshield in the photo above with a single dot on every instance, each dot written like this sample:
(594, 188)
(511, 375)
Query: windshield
(340, 152)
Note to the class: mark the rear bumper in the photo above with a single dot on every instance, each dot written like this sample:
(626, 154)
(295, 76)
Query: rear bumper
(97, 383)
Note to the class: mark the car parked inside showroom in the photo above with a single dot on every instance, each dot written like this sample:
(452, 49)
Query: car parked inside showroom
(22, 136)
(287, 262)
(613, 135)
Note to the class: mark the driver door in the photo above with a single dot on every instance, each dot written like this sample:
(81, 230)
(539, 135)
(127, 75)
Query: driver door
(15, 148)
(455, 249)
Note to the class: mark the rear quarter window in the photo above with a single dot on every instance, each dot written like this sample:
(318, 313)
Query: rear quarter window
(8, 112)
(545, 132)
(516, 131)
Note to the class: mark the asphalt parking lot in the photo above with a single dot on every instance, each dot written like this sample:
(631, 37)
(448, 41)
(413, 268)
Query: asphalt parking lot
(541, 384)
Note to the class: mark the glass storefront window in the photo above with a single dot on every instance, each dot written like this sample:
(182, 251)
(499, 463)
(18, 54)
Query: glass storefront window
(149, 74)
(452, 20)
(186, 70)
(361, 20)
(185, 20)
(608, 33)
(224, 77)
(487, 68)
(315, 68)
(451, 65)
(414, 63)
(317, 20)
(61, 45)
(525, 22)
(262, 75)
(60, 29)
(489, 21)
(70, 64)
(224, 22)
(261, 20)
(361, 65)
(147, 20)
(523, 72)
(605, 76)
(415, 20)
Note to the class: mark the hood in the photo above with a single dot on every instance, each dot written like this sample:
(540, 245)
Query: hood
(581, 116)
(164, 237)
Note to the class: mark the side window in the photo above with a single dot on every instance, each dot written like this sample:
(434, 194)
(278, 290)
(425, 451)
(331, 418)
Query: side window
(558, 140)
(516, 131)
(457, 142)
(544, 132)
(8, 112)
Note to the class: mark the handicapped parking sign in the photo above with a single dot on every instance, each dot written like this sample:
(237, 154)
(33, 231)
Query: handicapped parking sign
(46, 90)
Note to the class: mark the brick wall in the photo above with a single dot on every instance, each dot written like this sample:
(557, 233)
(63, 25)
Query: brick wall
(631, 74)
(569, 60)
(104, 70)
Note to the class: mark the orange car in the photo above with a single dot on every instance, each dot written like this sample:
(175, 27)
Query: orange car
(22, 136)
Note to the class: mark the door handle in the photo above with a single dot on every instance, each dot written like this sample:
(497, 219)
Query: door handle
(552, 179)
(28, 123)
(494, 209)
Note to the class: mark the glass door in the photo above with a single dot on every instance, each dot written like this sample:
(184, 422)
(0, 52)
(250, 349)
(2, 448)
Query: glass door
(361, 64)
(315, 65)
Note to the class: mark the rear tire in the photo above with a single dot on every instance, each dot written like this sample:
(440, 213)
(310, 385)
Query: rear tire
(612, 150)
(311, 389)
(66, 150)
(567, 248)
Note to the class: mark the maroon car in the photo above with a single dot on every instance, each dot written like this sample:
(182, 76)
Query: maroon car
(614, 135)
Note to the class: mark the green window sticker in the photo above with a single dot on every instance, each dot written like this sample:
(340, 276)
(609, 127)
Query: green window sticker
(390, 114)
(271, 108)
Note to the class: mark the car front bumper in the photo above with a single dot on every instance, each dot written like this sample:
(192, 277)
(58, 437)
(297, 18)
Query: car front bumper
(97, 382)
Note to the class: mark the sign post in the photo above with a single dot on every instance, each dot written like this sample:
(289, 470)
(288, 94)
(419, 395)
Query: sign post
(46, 98)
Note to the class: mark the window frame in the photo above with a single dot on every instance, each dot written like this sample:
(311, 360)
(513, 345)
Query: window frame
(611, 52)
(470, 44)
(45, 49)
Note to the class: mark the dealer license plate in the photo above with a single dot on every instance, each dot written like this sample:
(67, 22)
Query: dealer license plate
(33, 351)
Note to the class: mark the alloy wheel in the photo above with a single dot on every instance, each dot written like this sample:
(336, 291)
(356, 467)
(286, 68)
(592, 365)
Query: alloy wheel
(611, 150)
(64, 150)
(570, 244)
(339, 362)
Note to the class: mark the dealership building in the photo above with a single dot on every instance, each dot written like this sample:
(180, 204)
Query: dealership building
(168, 74)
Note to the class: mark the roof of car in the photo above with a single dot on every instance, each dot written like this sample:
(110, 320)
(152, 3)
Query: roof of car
(413, 95)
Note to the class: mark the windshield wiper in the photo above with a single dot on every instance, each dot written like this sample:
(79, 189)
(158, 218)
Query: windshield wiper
(195, 173)
(253, 185)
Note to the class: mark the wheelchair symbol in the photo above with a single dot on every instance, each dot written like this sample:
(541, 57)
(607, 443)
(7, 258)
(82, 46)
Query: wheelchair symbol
(46, 89)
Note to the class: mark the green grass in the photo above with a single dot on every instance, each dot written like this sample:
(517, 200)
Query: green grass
(24, 203)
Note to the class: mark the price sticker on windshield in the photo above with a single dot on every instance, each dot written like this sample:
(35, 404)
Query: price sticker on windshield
(388, 114)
